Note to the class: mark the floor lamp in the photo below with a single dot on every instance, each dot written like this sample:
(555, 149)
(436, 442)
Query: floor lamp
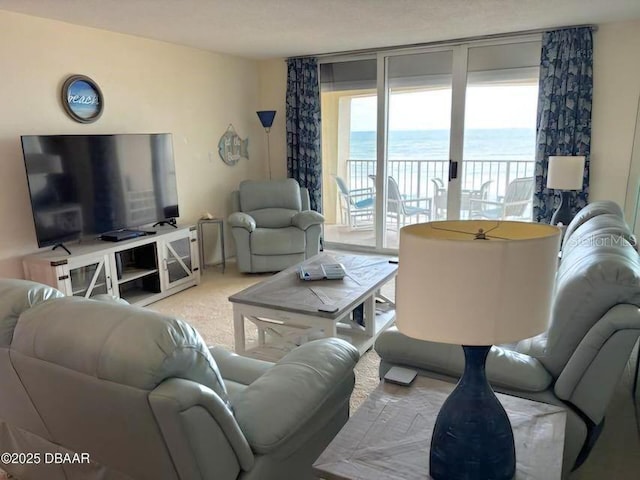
(565, 173)
(475, 283)
(266, 119)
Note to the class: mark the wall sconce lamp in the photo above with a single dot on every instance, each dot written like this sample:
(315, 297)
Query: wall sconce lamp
(266, 119)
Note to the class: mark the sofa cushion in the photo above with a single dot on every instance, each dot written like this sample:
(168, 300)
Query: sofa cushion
(284, 193)
(592, 210)
(277, 241)
(273, 217)
(16, 296)
(125, 344)
(504, 367)
(590, 281)
(602, 230)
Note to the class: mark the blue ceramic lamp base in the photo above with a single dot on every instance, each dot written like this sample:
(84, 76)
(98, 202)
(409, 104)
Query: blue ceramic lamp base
(563, 213)
(472, 438)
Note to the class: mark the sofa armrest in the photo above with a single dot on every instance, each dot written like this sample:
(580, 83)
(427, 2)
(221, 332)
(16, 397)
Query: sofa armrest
(242, 220)
(594, 370)
(505, 367)
(279, 403)
(305, 219)
(239, 369)
(177, 395)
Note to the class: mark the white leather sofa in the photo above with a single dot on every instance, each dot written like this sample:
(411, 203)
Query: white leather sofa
(146, 399)
(578, 361)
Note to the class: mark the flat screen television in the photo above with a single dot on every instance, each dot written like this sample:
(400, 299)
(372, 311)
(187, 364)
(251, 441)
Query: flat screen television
(86, 185)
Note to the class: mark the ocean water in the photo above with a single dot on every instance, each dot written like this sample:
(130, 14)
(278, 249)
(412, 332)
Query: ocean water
(499, 155)
(479, 144)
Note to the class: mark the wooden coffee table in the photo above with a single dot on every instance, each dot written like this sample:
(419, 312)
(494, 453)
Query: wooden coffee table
(389, 437)
(288, 311)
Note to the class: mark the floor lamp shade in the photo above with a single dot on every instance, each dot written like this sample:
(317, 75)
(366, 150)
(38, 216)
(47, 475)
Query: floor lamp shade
(475, 284)
(266, 117)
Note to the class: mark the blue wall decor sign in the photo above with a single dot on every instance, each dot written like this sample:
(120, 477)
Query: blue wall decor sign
(82, 99)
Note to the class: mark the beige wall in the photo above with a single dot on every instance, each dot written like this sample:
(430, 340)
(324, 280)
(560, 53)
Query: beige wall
(616, 88)
(149, 86)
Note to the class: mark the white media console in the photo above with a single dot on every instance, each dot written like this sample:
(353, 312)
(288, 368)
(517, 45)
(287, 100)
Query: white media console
(141, 270)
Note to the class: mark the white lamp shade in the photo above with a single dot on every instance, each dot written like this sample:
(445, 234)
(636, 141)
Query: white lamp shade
(565, 172)
(452, 288)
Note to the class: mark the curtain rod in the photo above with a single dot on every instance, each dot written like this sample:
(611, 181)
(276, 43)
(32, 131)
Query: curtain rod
(594, 28)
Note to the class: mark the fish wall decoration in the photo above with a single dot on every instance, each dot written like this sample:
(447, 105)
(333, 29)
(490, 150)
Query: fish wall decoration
(231, 147)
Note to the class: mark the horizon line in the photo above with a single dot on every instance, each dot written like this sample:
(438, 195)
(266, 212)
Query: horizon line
(443, 129)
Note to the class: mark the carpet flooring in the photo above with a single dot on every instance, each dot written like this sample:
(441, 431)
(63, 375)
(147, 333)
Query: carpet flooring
(206, 307)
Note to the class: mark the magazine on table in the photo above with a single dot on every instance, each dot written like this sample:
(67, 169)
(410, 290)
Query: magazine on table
(324, 271)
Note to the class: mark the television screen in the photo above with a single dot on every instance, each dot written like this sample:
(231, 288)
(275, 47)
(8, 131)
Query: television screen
(86, 185)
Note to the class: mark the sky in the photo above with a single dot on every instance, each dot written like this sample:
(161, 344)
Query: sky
(486, 107)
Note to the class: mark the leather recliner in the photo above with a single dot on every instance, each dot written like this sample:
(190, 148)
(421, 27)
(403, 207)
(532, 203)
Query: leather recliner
(272, 225)
(578, 361)
(142, 395)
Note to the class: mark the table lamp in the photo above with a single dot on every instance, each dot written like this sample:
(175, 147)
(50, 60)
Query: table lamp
(565, 173)
(475, 283)
(266, 119)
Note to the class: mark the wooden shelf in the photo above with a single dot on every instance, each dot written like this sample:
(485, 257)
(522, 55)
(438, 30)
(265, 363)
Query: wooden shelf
(83, 289)
(135, 273)
(361, 340)
(136, 295)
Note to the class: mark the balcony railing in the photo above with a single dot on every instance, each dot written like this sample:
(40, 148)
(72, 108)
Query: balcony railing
(418, 178)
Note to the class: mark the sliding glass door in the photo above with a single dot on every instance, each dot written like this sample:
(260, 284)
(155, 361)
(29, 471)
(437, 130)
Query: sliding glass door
(500, 131)
(441, 133)
(348, 97)
(419, 94)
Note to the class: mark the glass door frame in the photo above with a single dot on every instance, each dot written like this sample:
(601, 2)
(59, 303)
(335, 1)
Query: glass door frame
(455, 143)
(460, 56)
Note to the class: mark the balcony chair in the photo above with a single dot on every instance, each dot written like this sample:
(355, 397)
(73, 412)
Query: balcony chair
(439, 199)
(272, 225)
(402, 208)
(516, 204)
(468, 195)
(578, 362)
(355, 204)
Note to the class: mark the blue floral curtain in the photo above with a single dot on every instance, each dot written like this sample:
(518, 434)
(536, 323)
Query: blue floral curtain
(564, 111)
(304, 162)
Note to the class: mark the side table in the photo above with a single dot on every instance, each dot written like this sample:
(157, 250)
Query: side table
(201, 223)
(390, 435)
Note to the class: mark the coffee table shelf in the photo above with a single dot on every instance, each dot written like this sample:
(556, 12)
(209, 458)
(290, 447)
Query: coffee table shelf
(359, 338)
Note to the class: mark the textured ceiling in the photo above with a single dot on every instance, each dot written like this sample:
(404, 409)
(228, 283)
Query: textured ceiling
(281, 28)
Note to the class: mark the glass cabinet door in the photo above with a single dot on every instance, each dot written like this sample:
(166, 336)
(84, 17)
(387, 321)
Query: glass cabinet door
(177, 262)
(89, 280)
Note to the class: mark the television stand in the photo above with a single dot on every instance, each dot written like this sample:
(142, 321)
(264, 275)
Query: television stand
(140, 270)
(61, 245)
(169, 221)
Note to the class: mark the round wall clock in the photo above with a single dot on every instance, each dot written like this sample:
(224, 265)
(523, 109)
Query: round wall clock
(82, 99)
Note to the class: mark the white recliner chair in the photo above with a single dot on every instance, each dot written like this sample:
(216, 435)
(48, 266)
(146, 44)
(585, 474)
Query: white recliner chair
(272, 225)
